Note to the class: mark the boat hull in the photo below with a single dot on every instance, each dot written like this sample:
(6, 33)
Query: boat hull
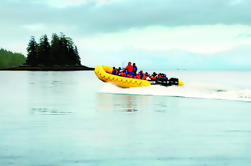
(104, 73)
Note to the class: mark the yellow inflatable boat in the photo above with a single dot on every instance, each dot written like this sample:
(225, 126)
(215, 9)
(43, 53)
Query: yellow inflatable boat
(104, 73)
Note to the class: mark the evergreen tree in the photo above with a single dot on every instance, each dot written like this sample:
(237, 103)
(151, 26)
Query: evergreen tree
(76, 57)
(44, 51)
(32, 56)
(63, 49)
(70, 51)
(65, 45)
(55, 49)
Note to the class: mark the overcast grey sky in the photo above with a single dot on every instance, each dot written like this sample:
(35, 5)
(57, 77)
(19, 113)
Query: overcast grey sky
(215, 33)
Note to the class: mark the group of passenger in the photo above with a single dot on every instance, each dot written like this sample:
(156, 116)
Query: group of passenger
(131, 72)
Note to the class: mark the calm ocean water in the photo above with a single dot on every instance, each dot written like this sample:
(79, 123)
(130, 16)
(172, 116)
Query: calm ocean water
(72, 118)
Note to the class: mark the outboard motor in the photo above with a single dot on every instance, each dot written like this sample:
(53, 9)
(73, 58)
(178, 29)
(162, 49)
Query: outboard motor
(174, 81)
(166, 82)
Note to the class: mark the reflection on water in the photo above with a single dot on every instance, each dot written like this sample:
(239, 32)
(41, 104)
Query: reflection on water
(107, 102)
(48, 111)
(122, 103)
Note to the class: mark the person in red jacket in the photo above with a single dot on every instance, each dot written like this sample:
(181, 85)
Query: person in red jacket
(129, 67)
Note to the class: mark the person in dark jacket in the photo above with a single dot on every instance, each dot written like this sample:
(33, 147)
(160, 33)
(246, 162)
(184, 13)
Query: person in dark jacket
(134, 68)
(114, 71)
(141, 74)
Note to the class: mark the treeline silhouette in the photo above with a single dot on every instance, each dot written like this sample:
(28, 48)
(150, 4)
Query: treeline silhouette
(60, 51)
(10, 59)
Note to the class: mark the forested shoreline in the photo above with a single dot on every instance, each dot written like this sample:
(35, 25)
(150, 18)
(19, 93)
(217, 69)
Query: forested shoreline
(11, 59)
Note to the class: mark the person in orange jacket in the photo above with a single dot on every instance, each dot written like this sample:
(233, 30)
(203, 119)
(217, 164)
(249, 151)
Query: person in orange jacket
(123, 74)
(154, 76)
(137, 76)
(144, 77)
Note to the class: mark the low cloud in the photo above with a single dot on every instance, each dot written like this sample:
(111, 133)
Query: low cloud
(90, 17)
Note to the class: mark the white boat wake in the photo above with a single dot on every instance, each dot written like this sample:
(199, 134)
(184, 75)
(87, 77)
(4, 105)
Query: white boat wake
(206, 91)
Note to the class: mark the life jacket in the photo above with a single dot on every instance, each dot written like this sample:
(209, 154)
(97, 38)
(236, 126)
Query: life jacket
(144, 77)
(117, 71)
(153, 77)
